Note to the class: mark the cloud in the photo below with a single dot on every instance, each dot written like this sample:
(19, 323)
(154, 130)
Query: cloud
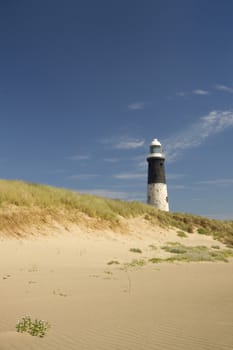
(130, 144)
(123, 142)
(111, 160)
(140, 160)
(224, 88)
(195, 92)
(181, 93)
(209, 125)
(218, 182)
(136, 106)
(201, 92)
(129, 176)
(78, 157)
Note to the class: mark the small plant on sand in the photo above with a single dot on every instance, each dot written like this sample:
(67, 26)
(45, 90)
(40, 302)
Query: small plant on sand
(181, 234)
(202, 231)
(155, 260)
(152, 247)
(36, 328)
(113, 262)
(176, 249)
(135, 250)
(135, 263)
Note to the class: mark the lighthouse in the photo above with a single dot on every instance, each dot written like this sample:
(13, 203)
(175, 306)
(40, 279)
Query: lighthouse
(157, 187)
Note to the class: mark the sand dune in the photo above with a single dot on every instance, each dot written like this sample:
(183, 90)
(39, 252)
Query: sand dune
(66, 280)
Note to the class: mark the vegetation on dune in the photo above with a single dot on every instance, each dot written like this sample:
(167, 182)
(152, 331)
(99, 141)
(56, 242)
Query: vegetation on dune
(36, 328)
(197, 253)
(24, 204)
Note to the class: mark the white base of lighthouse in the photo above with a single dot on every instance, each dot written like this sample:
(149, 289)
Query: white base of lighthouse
(157, 196)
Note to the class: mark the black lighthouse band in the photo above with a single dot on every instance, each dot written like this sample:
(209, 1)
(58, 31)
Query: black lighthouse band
(156, 170)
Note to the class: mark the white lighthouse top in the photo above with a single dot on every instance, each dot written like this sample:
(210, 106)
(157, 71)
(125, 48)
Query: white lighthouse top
(156, 149)
(155, 142)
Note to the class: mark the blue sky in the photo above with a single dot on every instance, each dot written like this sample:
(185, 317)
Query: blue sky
(86, 85)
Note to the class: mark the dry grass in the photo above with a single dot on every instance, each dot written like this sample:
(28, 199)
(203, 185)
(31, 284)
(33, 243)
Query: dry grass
(27, 204)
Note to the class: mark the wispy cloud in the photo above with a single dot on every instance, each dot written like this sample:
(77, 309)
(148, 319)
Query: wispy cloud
(141, 161)
(218, 182)
(136, 106)
(129, 176)
(111, 160)
(194, 92)
(224, 88)
(123, 142)
(130, 144)
(209, 125)
(79, 157)
(201, 92)
(181, 93)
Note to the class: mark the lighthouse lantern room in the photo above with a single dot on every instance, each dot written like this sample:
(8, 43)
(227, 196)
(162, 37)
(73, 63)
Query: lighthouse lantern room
(157, 187)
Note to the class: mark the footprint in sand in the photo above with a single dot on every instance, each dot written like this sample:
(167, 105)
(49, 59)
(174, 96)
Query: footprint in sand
(60, 294)
(6, 277)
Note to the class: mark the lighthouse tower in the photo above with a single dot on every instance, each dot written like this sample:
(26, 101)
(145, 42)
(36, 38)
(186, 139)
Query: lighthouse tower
(157, 187)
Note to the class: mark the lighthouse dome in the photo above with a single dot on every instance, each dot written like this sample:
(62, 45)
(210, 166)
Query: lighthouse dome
(155, 142)
(156, 149)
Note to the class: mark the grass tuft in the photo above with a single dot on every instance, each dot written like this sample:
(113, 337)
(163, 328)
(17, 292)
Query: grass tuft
(155, 260)
(113, 262)
(135, 263)
(135, 250)
(181, 234)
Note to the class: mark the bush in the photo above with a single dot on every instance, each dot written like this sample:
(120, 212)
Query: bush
(36, 328)
(202, 231)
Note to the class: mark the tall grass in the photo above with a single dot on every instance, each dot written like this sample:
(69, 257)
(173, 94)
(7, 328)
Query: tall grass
(23, 203)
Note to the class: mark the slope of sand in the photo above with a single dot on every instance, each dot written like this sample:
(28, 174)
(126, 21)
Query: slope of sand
(65, 280)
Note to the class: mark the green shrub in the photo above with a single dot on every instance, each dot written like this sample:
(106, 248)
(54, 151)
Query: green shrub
(202, 231)
(36, 328)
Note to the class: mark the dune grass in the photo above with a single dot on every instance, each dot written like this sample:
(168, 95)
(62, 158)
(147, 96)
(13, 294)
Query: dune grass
(29, 204)
(196, 253)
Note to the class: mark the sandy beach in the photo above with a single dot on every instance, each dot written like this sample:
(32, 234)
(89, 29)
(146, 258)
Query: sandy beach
(67, 280)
